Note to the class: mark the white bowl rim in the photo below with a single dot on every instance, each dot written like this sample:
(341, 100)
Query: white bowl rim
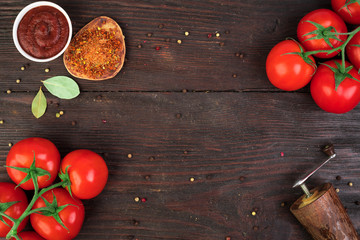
(22, 14)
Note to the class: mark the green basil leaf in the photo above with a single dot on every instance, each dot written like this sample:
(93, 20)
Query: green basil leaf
(39, 104)
(62, 87)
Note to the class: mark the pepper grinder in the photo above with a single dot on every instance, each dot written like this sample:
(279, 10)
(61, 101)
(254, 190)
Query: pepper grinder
(320, 210)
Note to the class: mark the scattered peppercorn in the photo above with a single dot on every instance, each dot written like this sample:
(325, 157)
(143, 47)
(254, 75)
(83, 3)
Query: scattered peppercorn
(139, 46)
(228, 238)
(234, 75)
(147, 177)
(136, 199)
(178, 115)
(242, 178)
(282, 204)
(338, 178)
(47, 70)
(357, 202)
(184, 90)
(221, 44)
(8, 91)
(149, 34)
(135, 222)
(73, 123)
(161, 26)
(129, 155)
(151, 158)
(350, 184)
(18, 80)
(157, 48)
(255, 228)
(179, 41)
(186, 152)
(167, 40)
(227, 31)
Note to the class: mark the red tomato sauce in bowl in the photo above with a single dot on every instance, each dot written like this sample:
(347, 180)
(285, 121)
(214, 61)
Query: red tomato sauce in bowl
(43, 32)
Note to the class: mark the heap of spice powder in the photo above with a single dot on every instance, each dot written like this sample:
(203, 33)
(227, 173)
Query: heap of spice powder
(95, 53)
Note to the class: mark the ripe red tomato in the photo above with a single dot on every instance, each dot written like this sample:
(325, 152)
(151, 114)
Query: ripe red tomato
(322, 88)
(87, 171)
(72, 216)
(8, 193)
(348, 10)
(22, 155)
(29, 235)
(286, 71)
(352, 51)
(326, 18)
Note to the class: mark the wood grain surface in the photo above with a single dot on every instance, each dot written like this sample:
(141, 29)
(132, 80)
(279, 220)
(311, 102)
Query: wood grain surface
(190, 111)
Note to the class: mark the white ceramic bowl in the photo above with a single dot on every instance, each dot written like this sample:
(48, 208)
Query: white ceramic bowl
(22, 14)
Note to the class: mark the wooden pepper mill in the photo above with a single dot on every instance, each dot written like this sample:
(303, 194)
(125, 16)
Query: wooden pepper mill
(320, 210)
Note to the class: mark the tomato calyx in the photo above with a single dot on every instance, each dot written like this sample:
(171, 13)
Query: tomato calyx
(32, 172)
(322, 32)
(340, 73)
(349, 2)
(3, 207)
(302, 54)
(65, 179)
(52, 210)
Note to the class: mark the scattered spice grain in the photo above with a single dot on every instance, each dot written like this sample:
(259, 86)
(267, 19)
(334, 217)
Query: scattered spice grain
(186, 33)
(234, 75)
(136, 223)
(22, 68)
(129, 155)
(139, 46)
(350, 184)
(73, 123)
(227, 238)
(178, 115)
(217, 34)
(47, 70)
(227, 31)
(337, 190)
(192, 179)
(57, 115)
(357, 202)
(161, 26)
(221, 44)
(255, 228)
(338, 178)
(10, 144)
(18, 80)
(1, 121)
(241, 178)
(8, 91)
(179, 41)
(157, 48)
(143, 199)
(104, 121)
(61, 112)
(136, 199)
(147, 177)
(149, 34)
(184, 91)
(151, 158)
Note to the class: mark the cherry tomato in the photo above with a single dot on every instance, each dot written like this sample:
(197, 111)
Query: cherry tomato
(286, 71)
(8, 193)
(322, 88)
(352, 51)
(348, 11)
(22, 155)
(72, 216)
(29, 235)
(326, 18)
(87, 171)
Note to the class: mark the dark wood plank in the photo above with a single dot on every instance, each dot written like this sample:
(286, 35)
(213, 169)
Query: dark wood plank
(215, 138)
(199, 63)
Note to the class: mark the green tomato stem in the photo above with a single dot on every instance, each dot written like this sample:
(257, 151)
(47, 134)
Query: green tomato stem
(27, 212)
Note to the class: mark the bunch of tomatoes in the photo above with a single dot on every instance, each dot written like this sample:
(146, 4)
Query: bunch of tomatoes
(322, 35)
(55, 210)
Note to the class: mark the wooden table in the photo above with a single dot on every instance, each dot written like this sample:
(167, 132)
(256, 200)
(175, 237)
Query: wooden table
(194, 128)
